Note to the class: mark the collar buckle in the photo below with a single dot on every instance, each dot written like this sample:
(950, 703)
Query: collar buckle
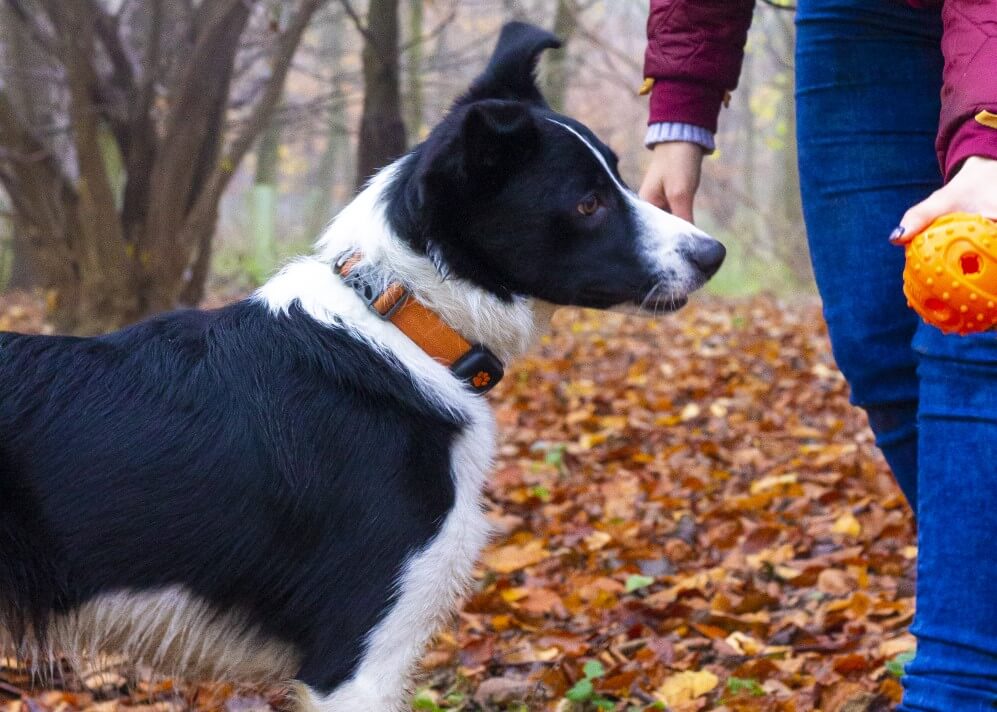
(475, 365)
(400, 294)
(367, 282)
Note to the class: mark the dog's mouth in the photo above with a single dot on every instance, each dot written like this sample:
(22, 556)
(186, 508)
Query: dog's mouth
(662, 303)
(664, 296)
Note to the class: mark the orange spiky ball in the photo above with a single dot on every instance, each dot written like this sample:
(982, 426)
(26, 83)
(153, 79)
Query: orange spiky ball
(951, 274)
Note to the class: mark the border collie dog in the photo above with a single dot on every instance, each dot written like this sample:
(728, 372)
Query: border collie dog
(288, 488)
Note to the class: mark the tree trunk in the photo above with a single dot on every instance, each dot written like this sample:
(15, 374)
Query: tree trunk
(795, 252)
(413, 99)
(19, 270)
(320, 207)
(264, 201)
(6, 242)
(555, 70)
(757, 232)
(797, 256)
(336, 149)
(382, 130)
(514, 10)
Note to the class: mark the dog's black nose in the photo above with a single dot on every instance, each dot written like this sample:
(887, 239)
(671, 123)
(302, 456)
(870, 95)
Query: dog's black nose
(707, 254)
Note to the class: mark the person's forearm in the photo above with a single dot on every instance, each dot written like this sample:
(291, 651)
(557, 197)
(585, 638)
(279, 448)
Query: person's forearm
(968, 122)
(669, 131)
(695, 49)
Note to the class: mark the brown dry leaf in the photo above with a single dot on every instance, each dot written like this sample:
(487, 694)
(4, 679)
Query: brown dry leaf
(892, 648)
(848, 525)
(743, 644)
(542, 601)
(834, 582)
(507, 559)
(596, 540)
(686, 686)
(773, 482)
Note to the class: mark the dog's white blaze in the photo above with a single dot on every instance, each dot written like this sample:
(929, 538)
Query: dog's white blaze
(663, 234)
(598, 156)
(170, 630)
(434, 579)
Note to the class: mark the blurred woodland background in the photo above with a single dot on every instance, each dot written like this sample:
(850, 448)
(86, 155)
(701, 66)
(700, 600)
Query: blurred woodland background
(153, 149)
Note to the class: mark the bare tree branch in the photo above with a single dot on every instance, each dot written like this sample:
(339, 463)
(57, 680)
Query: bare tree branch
(191, 139)
(439, 28)
(147, 88)
(357, 21)
(108, 32)
(142, 141)
(17, 138)
(97, 203)
(599, 42)
(29, 20)
(280, 65)
(31, 176)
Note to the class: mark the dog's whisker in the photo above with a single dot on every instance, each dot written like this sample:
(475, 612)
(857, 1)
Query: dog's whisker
(649, 297)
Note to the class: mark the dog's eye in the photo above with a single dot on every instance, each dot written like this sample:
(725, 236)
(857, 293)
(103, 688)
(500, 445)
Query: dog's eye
(590, 205)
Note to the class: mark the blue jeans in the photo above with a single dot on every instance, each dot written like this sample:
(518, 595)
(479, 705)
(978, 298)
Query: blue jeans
(868, 85)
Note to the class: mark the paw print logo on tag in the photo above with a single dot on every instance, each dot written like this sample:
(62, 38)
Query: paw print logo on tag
(481, 379)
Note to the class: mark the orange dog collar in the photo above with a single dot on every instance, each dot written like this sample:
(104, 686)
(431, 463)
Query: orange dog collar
(474, 364)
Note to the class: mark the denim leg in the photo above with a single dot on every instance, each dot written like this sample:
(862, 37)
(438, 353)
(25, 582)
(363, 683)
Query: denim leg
(867, 87)
(955, 669)
(868, 84)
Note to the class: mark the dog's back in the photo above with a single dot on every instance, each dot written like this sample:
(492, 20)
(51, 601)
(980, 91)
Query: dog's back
(230, 461)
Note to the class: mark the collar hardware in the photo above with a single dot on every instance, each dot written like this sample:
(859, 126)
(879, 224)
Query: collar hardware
(390, 300)
(362, 279)
(479, 368)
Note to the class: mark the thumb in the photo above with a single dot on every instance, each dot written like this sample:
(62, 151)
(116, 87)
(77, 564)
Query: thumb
(653, 191)
(919, 217)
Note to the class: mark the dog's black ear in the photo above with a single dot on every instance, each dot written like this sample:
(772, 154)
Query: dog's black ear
(510, 73)
(488, 140)
(496, 135)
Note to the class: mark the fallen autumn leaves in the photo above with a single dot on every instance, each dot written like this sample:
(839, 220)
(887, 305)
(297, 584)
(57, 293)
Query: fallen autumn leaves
(691, 507)
(693, 503)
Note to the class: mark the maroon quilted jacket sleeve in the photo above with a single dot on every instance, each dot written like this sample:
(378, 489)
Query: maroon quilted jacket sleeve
(968, 124)
(694, 53)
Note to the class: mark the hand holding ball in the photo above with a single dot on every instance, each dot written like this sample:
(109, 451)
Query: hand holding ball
(951, 274)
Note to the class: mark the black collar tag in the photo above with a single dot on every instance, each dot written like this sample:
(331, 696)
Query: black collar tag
(479, 368)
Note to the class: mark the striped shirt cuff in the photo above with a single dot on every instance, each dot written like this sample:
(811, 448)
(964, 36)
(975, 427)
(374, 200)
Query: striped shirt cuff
(665, 131)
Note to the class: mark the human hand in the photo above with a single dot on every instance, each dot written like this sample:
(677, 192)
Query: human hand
(673, 177)
(972, 190)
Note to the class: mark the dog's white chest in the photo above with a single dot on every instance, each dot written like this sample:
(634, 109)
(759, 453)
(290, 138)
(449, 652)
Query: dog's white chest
(431, 587)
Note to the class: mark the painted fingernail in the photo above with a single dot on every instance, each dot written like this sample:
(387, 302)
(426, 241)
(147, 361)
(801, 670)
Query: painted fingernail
(897, 235)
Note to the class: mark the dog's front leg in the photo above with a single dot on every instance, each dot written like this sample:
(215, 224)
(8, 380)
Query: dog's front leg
(332, 679)
(366, 695)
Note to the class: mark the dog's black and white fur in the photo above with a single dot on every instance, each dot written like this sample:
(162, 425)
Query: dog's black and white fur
(288, 488)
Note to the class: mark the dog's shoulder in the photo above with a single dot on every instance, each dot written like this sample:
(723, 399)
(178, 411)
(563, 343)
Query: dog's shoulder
(192, 383)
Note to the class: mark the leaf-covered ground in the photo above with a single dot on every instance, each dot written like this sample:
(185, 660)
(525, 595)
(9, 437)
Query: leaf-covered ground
(690, 516)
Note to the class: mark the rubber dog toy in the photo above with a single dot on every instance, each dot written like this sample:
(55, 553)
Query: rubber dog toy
(951, 274)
